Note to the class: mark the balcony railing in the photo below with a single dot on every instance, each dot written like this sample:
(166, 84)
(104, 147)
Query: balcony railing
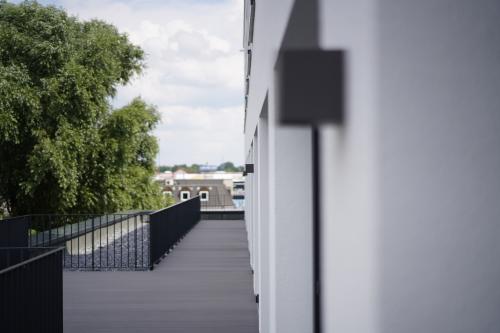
(169, 225)
(95, 242)
(31, 290)
(132, 241)
(31, 277)
(223, 205)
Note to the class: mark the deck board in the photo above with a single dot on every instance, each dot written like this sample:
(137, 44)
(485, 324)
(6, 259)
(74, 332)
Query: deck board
(203, 286)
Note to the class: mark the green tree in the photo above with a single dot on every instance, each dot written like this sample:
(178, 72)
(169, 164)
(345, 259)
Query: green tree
(163, 168)
(169, 201)
(193, 168)
(228, 167)
(62, 147)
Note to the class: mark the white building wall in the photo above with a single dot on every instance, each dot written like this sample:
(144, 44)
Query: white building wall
(410, 196)
(255, 213)
(291, 234)
(288, 306)
(249, 206)
(349, 183)
(439, 101)
(270, 22)
(410, 183)
(264, 227)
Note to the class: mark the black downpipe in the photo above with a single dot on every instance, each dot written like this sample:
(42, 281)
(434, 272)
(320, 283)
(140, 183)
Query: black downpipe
(317, 320)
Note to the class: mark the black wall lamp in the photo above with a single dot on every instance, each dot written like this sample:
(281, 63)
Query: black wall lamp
(248, 169)
(310, 86)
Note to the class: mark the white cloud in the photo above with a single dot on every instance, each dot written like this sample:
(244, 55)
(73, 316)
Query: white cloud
(194, 71)
(202, 134)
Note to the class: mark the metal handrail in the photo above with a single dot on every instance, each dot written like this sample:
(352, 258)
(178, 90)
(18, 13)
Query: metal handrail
(167, 229)
(32, 259)
(108, 242)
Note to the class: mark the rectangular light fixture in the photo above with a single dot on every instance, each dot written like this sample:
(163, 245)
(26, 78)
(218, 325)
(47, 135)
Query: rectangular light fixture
(310, 86)
(248, 168)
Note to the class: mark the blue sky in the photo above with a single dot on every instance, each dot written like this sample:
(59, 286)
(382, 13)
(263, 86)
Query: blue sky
(194, 71)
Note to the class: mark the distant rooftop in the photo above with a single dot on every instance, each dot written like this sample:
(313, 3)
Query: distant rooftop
(181, 174)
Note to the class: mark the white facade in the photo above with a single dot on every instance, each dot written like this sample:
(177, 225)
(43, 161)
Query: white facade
(409, 181)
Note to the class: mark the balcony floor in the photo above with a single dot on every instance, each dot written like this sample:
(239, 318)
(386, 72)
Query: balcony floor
(203, 286)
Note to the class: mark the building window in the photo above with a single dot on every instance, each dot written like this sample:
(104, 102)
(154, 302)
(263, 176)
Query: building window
(167, 193)
(185, 195)
(203, 195)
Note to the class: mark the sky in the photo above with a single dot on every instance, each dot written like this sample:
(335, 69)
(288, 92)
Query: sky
(194, 73)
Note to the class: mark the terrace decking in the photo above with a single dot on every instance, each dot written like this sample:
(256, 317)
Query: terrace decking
(203, 286)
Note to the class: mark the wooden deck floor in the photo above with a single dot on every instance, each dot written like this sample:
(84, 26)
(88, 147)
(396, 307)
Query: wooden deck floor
(203, 286)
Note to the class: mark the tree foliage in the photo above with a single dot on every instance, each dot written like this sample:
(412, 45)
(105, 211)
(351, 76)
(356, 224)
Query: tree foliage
(63, 149)
(193, 168)
(229, 167)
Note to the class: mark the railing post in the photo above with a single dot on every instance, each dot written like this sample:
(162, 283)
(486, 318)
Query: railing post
(135, 239)
(50, 230)
(92, 238)
(151, 241)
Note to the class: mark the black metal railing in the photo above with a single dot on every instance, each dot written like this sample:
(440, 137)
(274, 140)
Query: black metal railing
(132, 241)
(91, 242)
(169, 225)
(31, 290)
(95, 242)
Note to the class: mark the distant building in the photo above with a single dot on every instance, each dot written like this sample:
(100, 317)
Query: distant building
(166, 178)
(218, 189)
(208, 168)
(180, 174)
(239, 193)
(239, 189)
(213, 192)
